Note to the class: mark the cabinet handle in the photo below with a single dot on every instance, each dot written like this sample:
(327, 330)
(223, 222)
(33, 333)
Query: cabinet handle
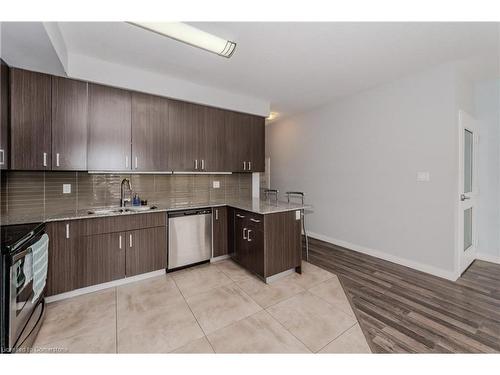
(249, 165)
(44, 159)
(136, 162)
(120, 241)
(57, 160)
(248, 236)
(67, 231)
(254, 220)
(196, 164)
(216, 214)
(244, 165)
(244, 233)
(240, 216)
(126, 164)
(130, 239)
(202, 164)
(2, 157)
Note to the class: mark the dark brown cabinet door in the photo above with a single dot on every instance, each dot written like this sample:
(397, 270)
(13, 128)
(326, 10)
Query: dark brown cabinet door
(240, 238)
(185, 138)
(30, 120)
(220, 231)
(214, 144)
(257, 144)
(237, 140)
(146, 250)
(255, 246)
(69, 124)
(109, 139)
(149, 133)
(4, 116)
(63, 248)
(101, 258)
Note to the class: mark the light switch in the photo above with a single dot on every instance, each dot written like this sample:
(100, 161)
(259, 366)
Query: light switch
(66, 188)
(216, 184)
(423, 176)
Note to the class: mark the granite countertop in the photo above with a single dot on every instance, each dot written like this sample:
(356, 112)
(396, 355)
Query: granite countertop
(257, 206)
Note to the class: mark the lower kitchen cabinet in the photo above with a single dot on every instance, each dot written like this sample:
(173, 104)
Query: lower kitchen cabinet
(220, 231)
(146, 250)
(266, 244)
(63, 245)
(100, 258)
(93, 251)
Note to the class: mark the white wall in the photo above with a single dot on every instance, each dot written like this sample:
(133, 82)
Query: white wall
(357, 160)
(487, 105)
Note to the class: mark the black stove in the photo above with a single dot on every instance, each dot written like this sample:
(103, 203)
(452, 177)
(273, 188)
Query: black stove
(13, 236)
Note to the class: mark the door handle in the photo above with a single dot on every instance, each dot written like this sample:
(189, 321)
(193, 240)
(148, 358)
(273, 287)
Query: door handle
(464, 197)
(244, 233)
(126, 162)
(248, 236)
(136, 162)
(120, 241)
(44, 159)
(240, 216)
(196, 164)
(254, 220)
(2, 157)
(67, 231)
(244, 165)
(202, 164)
(216, 214)
(130, 240)
(249, 165)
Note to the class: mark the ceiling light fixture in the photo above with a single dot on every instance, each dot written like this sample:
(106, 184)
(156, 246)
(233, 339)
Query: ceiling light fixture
(191, 35)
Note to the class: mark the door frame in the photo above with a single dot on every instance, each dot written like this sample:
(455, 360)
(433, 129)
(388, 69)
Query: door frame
(465, 258)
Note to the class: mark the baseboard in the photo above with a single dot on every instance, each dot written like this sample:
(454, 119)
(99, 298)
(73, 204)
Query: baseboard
(111, 284)
(445, 274)
(488, 258)
(219, 258)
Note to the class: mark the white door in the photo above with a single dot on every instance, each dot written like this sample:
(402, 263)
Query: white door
(467, 199)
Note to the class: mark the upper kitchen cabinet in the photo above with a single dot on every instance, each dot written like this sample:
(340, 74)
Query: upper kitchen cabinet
(30, 116)
(109, 145)
(245, 142)
(186, 136)
(4, 115)
(149, 133)
(213, 146)
(69, 124)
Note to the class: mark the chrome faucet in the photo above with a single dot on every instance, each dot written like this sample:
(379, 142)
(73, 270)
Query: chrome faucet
(124, 200)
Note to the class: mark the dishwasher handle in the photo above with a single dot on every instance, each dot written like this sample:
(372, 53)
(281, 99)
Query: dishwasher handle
(190, 213)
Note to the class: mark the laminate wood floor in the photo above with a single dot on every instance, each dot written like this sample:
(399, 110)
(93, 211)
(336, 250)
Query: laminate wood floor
(401, 310)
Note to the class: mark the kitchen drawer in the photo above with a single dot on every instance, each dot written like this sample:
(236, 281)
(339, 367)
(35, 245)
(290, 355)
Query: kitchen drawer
(122, 223)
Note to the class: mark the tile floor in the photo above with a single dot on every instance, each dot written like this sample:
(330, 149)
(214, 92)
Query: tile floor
(216, 307)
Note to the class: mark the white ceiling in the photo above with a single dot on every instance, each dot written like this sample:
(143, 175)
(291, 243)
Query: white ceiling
(294, 66)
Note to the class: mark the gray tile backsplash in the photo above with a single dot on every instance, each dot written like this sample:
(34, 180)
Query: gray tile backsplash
(41, 193)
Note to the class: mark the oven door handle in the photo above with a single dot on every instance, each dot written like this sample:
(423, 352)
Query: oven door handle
(22, 254)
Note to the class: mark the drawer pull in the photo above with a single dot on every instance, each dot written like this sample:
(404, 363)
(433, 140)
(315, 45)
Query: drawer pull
(240, 216)
(255, 220)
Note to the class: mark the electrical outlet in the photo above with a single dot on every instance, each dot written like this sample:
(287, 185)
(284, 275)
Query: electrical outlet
(66, 188)
(297, 215)
(423, 176)
(216, 184)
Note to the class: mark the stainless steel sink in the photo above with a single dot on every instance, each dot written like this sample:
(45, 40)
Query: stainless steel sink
(118, 210)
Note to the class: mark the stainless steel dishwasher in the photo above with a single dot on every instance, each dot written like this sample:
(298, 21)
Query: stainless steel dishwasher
(189, 237)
